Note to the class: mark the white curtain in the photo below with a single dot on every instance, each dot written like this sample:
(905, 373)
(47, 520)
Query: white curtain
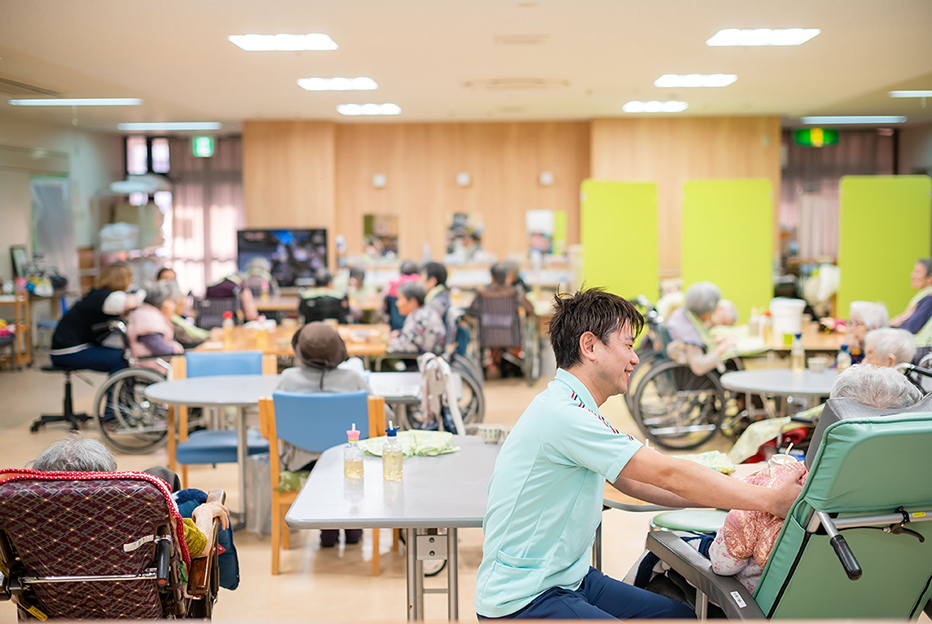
(817, 234)
(207, 210)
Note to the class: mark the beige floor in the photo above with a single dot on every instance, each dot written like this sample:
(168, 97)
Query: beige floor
(330, 584)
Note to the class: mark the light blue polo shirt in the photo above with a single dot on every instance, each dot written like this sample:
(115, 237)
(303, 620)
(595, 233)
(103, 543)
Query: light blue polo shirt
(545, 497)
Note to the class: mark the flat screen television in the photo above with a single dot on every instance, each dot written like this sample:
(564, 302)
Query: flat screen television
(295, 254)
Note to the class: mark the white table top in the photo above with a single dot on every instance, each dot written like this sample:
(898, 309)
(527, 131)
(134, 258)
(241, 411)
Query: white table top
(436, 492)
(780, 381)
(214, 391)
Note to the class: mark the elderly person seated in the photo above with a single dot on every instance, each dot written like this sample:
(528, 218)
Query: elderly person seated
(258, 277)
(79, 454)
(916, 316)
(408, 273)
(320, 351)
(863, 316)
(888, 347)
(688, 326)
(324, 301)
(742, 546)
(423, 330)
(149, 327)
(434, 277)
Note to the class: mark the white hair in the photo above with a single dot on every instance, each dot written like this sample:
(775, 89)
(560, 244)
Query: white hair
(875, 386)
(76, 454)
(873, 315)
(162, 291)
(892, 341)
(727, 309)
(702, 297)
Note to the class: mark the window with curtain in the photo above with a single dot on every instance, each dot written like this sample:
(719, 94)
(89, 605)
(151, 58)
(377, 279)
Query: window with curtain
(207, 210)
(809, 190)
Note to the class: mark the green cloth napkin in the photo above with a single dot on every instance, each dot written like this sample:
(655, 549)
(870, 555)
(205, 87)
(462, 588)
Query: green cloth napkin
(415, 443)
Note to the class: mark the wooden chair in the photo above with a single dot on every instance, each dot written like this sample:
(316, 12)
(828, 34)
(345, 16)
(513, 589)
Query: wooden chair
(212, 446)
(314, 422)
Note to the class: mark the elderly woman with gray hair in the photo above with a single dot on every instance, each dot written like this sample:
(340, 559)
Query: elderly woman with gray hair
(863, 316)
(688, 326)
(149, 327)
(888, 346)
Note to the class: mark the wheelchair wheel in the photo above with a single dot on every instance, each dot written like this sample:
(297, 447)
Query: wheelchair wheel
(128, 420)
(647, 361)
(472, 402)
(676, 408)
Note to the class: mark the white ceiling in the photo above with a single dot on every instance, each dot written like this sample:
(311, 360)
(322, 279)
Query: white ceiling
(423, 53)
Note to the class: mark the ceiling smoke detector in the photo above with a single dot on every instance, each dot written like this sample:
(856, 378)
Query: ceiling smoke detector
(516, 84)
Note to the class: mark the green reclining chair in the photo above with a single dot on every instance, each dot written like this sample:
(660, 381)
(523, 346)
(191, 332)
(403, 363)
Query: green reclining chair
(855, 543)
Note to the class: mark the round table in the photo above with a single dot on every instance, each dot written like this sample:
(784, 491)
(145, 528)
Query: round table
(238, 391)
(779, 382)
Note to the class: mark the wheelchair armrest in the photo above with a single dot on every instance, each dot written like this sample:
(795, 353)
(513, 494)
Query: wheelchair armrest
(725, 591)
(199, 580)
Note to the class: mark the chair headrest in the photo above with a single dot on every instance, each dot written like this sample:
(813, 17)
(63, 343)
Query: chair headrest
(842, 409)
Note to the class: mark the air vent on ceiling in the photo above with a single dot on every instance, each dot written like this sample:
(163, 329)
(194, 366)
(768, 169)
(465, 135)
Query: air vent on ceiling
(516, 84)
(521, 39)
(9, 86)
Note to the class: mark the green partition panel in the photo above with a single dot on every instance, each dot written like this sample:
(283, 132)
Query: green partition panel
(618, 229)
(727, 238)
(884, 226)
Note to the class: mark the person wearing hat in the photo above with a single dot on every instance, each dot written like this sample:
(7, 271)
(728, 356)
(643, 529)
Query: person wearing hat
(319, 351)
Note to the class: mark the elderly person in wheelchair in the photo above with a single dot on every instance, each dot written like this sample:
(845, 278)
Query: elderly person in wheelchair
(149, 327)
(688, 326)
(863, 316)
(78, 454)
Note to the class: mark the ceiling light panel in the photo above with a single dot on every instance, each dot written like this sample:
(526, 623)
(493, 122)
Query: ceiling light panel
(762, 36)
(852, 119)
(671, 106)
(168, 126)
(910, 94)
(369, 109)
(360, 83)
(283, 42)
(695, 80)
(78, 102)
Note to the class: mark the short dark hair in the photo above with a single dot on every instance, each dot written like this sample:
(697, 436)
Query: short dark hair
(437, 271)
(163, 271)
(408, 267)
(592, 310)
(413, 290)
(499, 273)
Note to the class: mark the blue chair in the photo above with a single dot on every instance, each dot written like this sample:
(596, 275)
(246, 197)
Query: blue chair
(217, 446)
(314, 422)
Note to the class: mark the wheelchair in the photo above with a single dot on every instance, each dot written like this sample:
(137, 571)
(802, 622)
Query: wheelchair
(109, 546)
(503, 325)
(671, 405)
(128, 421)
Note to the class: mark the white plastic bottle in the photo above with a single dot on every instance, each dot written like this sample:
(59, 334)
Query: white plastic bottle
(843, 359)
(392, 457)
(797, 354)
(352, 455)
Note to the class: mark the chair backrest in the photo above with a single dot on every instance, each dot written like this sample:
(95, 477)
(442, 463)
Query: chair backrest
(208, 312)
(87, 524)
(324, 307)
(873, 465)
(499, 320)
(395, 319)
(212, 363)
(318, 421)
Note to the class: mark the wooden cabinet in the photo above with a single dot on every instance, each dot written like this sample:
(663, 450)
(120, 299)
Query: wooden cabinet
(22, 343)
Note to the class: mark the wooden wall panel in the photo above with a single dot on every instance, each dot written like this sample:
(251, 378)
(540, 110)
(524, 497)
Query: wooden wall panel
(420, 162)
(288, 175)
(671, 151)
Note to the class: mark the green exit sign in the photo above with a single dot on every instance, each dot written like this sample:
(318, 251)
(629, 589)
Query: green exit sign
(203, 146)
(816, 137)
